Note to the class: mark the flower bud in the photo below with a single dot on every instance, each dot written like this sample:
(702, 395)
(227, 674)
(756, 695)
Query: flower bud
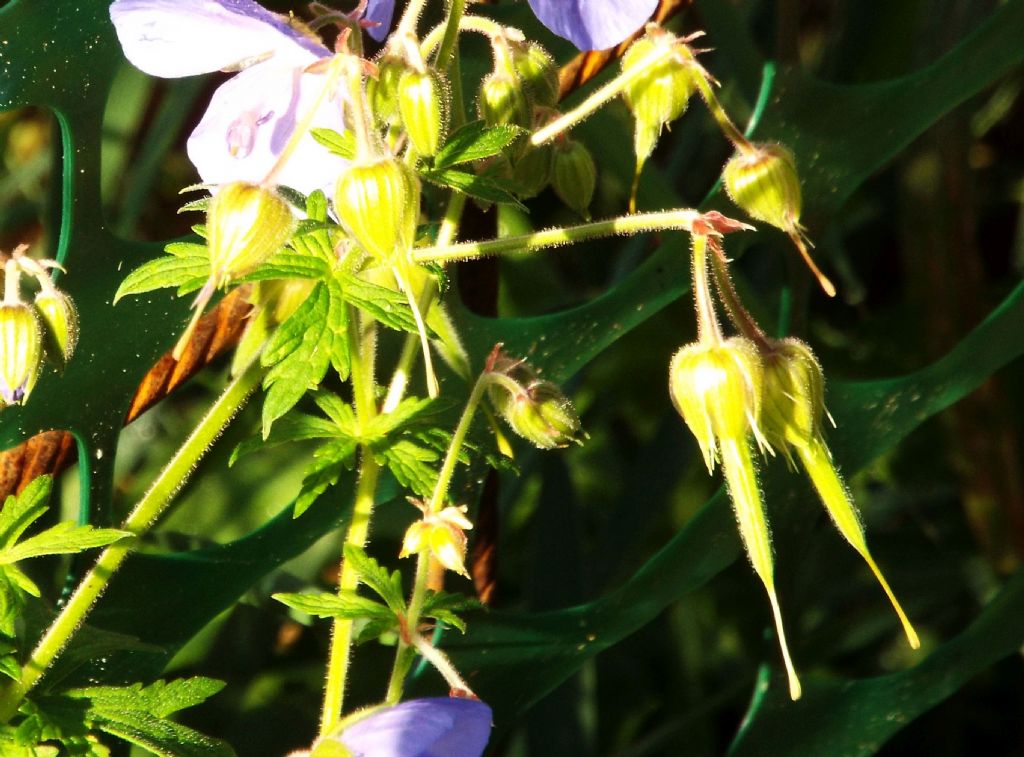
(20, 352)
(502, 101)
(379, 204)
(537, 71)
(423, 104)
(246, 224)
(793, 399)
(442, 534)
(59, 314)
(531, 171)
(382, 91)
(764, 183)
(660, 94)
(717, 389)
(574, 176)
(544, 416)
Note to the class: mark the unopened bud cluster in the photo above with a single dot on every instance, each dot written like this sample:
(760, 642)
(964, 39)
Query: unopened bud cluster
(29, 332)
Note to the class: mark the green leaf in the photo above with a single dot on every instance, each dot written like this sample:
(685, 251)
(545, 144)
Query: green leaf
(389, 307)
(411, 463)
(474, 141)
(293, 427)
(21, 511)
(302, 349)
(478, 187)
(388, 586)
(187, 272)
(65, 538)
(328, 463)
(443, 606)
(345, 605)
(290, 265)
(343, 145)
(338, 411)
(409, 409)
(159, 699)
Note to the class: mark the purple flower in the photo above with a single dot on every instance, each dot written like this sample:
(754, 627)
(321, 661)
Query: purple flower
(252, 115)
(594, 24)
(439, 727)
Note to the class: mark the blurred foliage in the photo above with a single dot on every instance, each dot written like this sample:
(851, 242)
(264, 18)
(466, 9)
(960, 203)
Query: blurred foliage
(912, 161)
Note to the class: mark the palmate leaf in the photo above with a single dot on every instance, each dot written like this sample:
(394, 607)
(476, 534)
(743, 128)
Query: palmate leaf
(476, 186)
(474, 141)
(344, 605)
(65, 538)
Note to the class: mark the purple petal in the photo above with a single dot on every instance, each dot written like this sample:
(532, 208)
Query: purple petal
(380, 12)
(248, 123)
(172, 38)
(594, 24)
(441, 727)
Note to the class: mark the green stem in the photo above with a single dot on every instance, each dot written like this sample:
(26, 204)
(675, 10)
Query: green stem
(708, 330)
(679, 220)
(725, 123)
(404, 652)
(738, 314)
(456, 9)
(477, 24)
(149, 508)
(413, 11)
(599, 97)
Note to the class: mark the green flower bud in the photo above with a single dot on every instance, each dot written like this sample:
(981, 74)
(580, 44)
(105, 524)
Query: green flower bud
(544, 416)
(574, 176)
(379, 204)
(382, 91)
(531, 171)
(58, 312)
(20, 352)
(246, 224)
(423, 104)
(661, 93)
(764, 183)
(538, 72)
(717, 390)
(502, 101)
(793, 399)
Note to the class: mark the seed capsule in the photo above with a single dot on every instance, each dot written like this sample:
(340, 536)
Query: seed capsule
(793, 400)
(20, 352)
(717, 390)
(246, 224)
(574, 176)
(379, 204)
(660, 94)
(422, 102)
(382, 91)
(538, 72)
(502, 101)
(59, 314)
(532, 171)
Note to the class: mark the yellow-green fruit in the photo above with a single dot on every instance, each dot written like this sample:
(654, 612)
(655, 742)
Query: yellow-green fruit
(660, 94)
(543, 416)
(538, 72)
(717, 390)
(382, 91)
(574, 176)
(59, 314)
(245, 224)
(422, 102)
(793, 398)
(531, 171)
(20, 352)
(764, 183)
(502, 101)
(379, 204)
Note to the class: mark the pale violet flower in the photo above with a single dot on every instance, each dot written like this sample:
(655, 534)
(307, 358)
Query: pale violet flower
(252, 115)
(432, 727)
(594, 24)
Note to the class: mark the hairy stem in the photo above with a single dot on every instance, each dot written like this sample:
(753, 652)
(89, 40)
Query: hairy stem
(708, 329)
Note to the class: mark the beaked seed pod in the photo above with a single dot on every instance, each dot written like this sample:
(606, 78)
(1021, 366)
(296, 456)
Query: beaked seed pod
(382, 91)
(793, 399)
(717, 390)
(423, 105)
(544, 416)
(537, 70)
(246, 224)
(60, 316)
(574, 176)
(660, 94)
(531, 171)
(20, 352)
(501, 101)
(379, 204)
(764, 183)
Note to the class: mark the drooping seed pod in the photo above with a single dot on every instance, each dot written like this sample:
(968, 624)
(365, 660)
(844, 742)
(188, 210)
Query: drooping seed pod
(538, 72)
(574, 176)
(382, 90)
(502, 101)
(423, 105)
(717, 390)
(379, 204)
(660, 94)
(764, 183)
(20, 352)
(793, 398)
(60, 316)
(246, 224)
(531, 171)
